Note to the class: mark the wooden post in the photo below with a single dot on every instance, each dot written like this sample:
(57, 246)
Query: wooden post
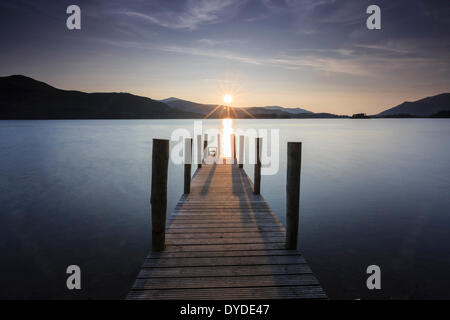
(158, 199)
(187, 164)
(294, 161)
(233, 147)
(199, 151)
(205, 145)
(241, 151)
(257, 180)
(218, 146)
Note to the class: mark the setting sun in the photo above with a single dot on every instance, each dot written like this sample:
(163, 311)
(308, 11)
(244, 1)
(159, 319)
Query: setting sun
(227, 99)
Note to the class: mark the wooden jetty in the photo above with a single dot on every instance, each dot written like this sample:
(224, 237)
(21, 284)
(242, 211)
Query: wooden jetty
(223, 242)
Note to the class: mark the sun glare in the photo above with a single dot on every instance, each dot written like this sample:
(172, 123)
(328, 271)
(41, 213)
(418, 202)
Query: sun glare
(227, 98)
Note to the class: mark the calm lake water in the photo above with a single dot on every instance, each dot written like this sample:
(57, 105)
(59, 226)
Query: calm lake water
(372, 192)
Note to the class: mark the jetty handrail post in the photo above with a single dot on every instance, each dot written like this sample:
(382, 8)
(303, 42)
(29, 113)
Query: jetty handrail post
(205, 146)
(187, 165)
(218, 146)
(257, 180)
(233, 146)
(199, 151)
(241, 152)
(294, 160)
(158, 198)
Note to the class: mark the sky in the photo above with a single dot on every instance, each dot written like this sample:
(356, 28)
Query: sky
(313, 54)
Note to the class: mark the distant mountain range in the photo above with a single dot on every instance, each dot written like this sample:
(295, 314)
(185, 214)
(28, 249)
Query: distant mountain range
(215, 111)
(289, 110)
(427, 107)
(22, 97)
(25, 98)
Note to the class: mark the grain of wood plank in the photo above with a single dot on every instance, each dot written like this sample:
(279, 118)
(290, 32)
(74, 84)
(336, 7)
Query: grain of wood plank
(233, 240)
(235, 253)
(222, 261)
(205, 229)
(225, 235)
(226, 282)
(225, 247)
(222, 271)
(283, 292)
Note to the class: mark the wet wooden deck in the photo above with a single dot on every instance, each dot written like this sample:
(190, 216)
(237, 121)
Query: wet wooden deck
(224, 243)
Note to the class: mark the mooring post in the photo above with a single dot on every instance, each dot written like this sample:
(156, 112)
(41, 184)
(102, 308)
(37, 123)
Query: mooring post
(158, 199)
(233, 147)
(199, 151)
(218, 146)
(257, 184)
(187, 164)
(241, 151)
(294, 162)
(205, 146)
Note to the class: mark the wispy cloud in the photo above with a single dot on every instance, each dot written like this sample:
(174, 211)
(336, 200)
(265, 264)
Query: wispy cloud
(327, 61)
(191, 15)
(321, 63)
(210, 53)
(217, 42)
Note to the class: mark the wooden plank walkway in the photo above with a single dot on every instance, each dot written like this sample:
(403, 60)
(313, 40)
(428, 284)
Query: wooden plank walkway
(224, 243)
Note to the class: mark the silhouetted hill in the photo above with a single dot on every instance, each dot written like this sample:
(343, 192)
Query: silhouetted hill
(441, 114)
(420, 108)
(289, 110)
(189, 106)
(269, 112)
(25, 98)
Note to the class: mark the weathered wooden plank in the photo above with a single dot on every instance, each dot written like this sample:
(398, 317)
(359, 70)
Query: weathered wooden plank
(236, 253)
(228, 271)
(223, 214)
(225, 247)
(291, 292)
(226, 282)
(220, 220)
(222, 261)
(220, 201)
(219, 216)
(217, 219)
(225, 210)
(234, 240)
(222, 224)
(261, 235)
(206, 229)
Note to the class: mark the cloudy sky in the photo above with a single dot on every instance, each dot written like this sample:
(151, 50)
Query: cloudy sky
(314, 54)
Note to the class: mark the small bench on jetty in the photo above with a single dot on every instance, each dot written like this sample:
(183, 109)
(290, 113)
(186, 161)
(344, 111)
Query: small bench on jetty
(223, 242)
